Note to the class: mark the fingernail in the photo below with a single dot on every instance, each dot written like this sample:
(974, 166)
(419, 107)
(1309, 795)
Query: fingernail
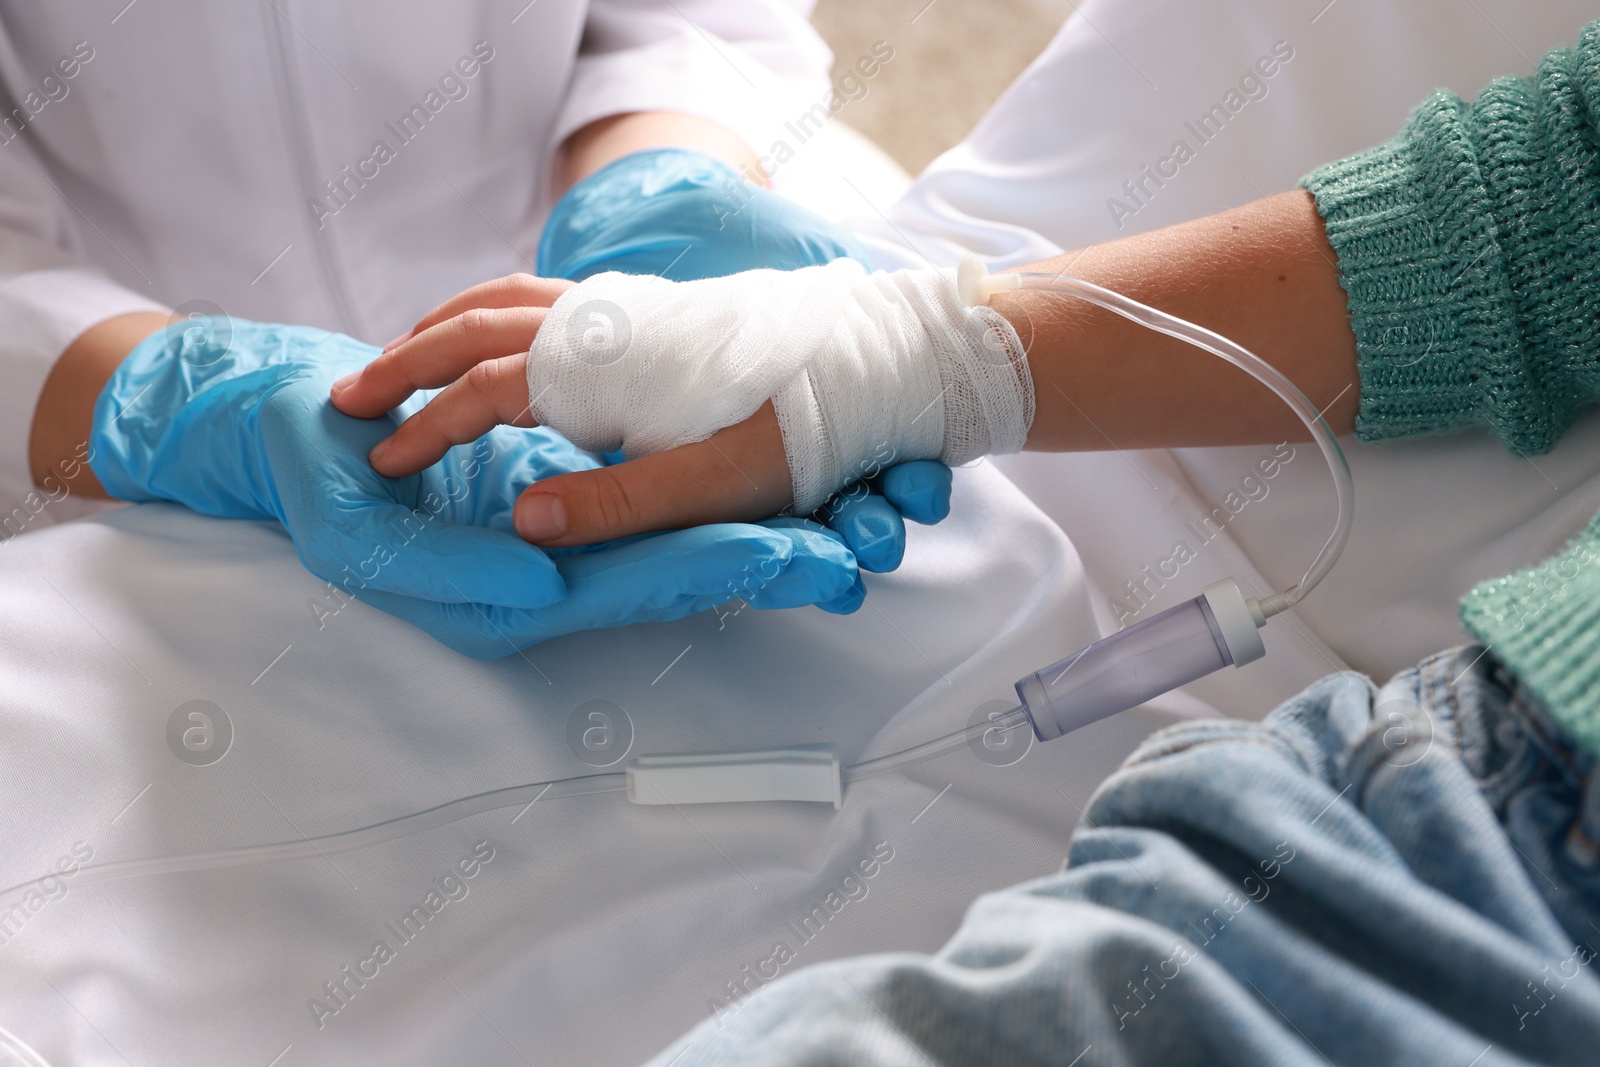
(541, 517)
(378, 450)
(397, 342)
(344, 383)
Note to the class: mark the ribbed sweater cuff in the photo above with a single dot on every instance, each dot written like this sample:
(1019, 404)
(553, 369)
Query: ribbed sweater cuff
(1544, 623)
(1430, 304)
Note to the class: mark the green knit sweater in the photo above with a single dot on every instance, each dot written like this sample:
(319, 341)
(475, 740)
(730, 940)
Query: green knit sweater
(1469, 247)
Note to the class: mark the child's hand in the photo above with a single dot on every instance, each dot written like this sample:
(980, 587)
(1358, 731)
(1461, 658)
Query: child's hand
(476, 344)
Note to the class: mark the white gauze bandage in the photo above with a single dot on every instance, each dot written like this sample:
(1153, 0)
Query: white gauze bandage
(864, 370)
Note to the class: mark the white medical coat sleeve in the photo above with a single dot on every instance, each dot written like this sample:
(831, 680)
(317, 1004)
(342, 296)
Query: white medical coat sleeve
(47, 298)
(748, 65)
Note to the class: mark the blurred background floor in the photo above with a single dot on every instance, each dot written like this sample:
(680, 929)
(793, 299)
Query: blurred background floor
(952, 59)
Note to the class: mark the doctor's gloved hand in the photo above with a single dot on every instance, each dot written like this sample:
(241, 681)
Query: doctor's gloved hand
(228, 417)
(232, 419)
(738, 474)
(682, 214)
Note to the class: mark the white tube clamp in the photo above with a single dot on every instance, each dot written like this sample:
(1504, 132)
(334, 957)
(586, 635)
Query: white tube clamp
(805, 772)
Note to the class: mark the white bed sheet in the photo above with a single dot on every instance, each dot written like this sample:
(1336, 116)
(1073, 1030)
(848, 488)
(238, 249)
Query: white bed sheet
(599, 930)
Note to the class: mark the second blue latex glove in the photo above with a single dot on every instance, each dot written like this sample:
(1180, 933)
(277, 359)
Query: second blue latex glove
(232, 419)
(684, 215)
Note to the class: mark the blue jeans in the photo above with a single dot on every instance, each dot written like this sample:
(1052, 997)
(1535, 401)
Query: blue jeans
(1403, 875)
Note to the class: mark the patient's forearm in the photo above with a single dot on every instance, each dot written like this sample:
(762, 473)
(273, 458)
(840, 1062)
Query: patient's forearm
(64, 415)
(1262, 275)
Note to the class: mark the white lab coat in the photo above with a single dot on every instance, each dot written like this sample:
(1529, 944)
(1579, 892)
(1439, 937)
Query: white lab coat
(228, 156)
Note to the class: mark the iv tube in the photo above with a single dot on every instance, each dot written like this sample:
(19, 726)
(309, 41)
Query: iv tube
(1239, 356)
(455, 810)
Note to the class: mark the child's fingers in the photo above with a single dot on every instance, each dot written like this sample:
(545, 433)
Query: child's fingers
(739, 474)
(489, 394)
(514, 290)
(437, 356)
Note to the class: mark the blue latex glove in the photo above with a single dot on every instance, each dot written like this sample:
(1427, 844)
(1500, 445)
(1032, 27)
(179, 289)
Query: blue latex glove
(686, 215)
(232, 419)
(682, 215)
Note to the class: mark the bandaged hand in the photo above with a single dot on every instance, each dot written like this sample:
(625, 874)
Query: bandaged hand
(231, 418)
(734, 397)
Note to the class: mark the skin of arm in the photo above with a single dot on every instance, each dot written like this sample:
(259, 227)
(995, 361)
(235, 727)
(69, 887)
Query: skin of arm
(1262, 274)
(64, 415)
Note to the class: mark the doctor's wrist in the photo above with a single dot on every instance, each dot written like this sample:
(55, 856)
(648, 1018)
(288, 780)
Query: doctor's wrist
(63, 418)
(606, 140)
